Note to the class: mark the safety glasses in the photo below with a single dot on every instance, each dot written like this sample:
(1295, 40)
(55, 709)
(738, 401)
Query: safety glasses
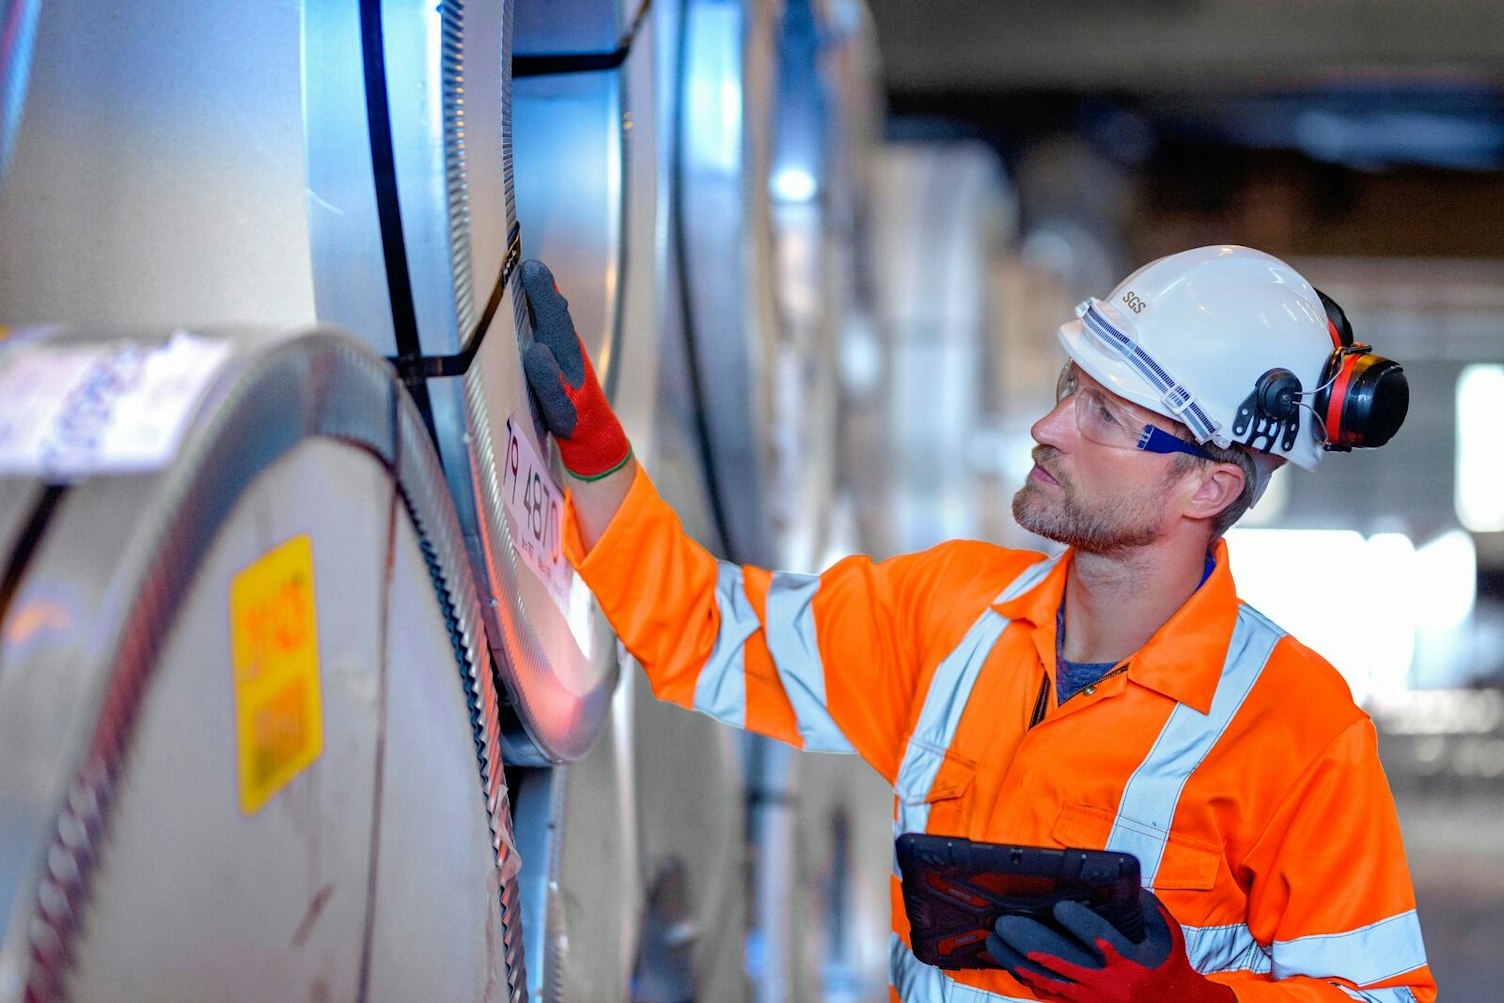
(1102, 420)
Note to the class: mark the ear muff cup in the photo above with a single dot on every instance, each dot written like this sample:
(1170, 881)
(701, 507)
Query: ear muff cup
(1363, 400)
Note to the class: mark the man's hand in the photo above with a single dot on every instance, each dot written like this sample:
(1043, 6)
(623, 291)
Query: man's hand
(590, 438)
(1097, 964)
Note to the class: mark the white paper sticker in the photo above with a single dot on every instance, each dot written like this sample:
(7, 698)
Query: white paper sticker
(67, 410)
(535, 511)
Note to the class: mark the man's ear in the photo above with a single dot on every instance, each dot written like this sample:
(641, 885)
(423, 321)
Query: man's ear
(1217, 486)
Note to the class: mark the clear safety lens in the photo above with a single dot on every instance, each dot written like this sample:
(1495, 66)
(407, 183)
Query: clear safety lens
(1097, 418)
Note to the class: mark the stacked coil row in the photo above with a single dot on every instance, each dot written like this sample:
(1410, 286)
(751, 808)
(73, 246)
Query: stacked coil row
(255, 179)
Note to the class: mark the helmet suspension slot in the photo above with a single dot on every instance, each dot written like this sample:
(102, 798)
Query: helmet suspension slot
(1270, 412)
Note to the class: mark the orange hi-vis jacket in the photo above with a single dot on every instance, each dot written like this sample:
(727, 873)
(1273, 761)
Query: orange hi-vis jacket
(1229, 758)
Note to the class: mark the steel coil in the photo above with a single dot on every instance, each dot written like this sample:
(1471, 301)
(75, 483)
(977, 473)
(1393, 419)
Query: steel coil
(228, 770)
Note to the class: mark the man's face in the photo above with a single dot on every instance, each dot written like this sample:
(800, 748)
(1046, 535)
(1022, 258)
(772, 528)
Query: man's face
(1097, 498)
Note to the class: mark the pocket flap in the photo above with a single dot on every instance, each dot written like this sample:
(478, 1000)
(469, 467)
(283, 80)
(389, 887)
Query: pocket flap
(1184, 862)
(929, 774)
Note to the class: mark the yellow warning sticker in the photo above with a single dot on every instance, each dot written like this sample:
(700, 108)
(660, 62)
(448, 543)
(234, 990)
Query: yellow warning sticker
(275, 650)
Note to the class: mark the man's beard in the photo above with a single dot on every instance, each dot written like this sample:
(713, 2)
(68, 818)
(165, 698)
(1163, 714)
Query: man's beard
(1104, 527)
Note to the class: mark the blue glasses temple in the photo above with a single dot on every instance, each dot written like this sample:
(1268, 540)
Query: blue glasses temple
(1157, 440)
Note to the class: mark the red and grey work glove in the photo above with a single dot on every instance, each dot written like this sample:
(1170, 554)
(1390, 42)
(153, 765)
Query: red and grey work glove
(1097, 964)
(591, 441)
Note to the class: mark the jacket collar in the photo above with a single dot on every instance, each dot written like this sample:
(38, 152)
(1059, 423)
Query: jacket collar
(1184, 658)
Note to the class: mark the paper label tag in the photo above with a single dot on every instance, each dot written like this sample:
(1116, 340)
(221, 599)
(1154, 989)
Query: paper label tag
(67, 410)
(535, 513)
(275, 654)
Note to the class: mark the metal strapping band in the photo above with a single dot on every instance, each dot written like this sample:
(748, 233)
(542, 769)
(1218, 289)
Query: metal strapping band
(554, 64)
(414, 366)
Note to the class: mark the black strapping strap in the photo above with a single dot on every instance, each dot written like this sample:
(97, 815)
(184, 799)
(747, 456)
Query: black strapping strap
(410, 363)
(384, 169)
(554, 64)
(388, 207)
(416, 366)
(27, 542)
(558, 63)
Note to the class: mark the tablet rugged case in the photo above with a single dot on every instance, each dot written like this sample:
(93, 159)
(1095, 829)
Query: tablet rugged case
(955, 890)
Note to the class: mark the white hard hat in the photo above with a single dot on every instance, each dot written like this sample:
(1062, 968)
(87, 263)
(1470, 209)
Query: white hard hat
(1211, 337)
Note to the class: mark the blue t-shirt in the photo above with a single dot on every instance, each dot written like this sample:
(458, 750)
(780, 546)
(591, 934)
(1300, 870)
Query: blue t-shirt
(1073, 677)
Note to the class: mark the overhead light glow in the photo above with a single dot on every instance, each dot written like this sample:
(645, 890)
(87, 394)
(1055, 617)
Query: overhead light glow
(1479, 495)
(1359, 602)
(1446, 580)
(793, 184)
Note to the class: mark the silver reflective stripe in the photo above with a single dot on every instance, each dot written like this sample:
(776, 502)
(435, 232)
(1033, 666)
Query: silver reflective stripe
(1399, 994)
(1372, 953)
(721, 690)
(1153, 792)
(1225, 949)
(1175, 396)
(916, 776)
(949, 690)
(796, 655)
(917, 982)
(943, 703)
(1032, 576)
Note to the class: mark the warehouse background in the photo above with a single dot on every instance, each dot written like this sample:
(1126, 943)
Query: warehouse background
(1363, 141)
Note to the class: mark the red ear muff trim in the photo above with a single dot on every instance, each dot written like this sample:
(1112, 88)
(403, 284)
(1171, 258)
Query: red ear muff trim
(1337, 397)
(1336, 337)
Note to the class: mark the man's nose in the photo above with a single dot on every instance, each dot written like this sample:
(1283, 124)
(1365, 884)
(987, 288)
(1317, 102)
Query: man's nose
(1058, 427)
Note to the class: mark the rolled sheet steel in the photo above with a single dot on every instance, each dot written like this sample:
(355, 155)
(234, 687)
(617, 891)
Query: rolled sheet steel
(348, 163)
(658, 790)
(762, 174)
(246, 700)
(433, 87)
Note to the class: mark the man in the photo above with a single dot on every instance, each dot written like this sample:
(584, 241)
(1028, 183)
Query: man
(1118, 696)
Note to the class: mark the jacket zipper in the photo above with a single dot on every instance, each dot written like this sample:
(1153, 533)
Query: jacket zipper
(1042, 701)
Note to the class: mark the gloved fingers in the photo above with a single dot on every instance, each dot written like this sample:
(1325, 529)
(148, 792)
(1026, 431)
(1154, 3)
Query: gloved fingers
(1162, 934)
(552, 324)
(546, 380)
(1019, 966)
(1030, 937)
(1087, 926)
(1155, 910)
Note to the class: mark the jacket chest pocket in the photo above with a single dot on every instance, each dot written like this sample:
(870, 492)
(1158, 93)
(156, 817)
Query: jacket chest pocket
(1184, 863)
(934, 789)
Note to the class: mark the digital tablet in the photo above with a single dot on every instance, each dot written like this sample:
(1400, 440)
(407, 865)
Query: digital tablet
(954, 890)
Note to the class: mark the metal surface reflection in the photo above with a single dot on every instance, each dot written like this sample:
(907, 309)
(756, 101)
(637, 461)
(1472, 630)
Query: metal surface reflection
(129, 741)
(19, 21)
(569, 136)
(157, 177)
(430, 86)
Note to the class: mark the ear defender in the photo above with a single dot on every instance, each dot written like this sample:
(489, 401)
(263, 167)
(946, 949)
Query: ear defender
(1363, 398)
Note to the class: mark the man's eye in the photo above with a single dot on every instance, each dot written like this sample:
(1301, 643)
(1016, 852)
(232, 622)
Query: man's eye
(1106, 416)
